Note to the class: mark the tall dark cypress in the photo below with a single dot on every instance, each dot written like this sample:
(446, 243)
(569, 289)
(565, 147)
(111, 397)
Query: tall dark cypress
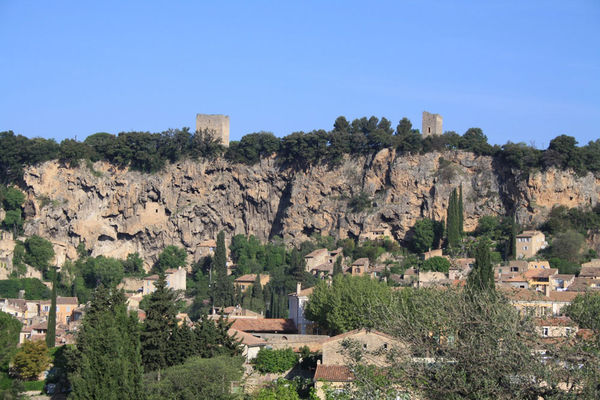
(158, 326)
(481, 276)
(51, 333)
(452, 221)
(222, 286)
(461, 218)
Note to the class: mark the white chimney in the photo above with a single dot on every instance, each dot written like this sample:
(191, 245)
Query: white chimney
(298, 287)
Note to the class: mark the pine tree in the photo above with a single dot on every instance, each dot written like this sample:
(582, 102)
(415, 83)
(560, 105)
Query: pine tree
(222, 287)
(51, 333)
(181, 345)
(106, 362)
(297, 265)
(481, 276)
(158, 326)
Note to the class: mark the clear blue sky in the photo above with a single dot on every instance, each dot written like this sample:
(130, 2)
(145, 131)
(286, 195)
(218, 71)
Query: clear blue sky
(520, 70)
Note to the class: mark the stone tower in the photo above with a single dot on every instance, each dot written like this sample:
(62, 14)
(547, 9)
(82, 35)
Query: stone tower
(432, 124)
(217, 123)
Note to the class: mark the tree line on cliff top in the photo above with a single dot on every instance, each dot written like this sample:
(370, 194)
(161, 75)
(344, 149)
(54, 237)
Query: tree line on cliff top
(150, 152)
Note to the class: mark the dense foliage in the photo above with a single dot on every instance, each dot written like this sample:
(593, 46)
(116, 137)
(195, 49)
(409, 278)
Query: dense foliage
(347, 304)
(9, 338)
(585, 311)
(270, 360)
(426, 235)
(149, 152)
(34, 288)
(31, 360)
(198, 378)
(106, 362)
(436, 264)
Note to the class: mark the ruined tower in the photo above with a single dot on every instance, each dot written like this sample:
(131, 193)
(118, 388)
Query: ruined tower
(217, 123)
(432, 124)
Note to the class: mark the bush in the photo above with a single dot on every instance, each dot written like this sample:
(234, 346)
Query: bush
(360, 202)
(436, 264)
(34, 288)
(269, 360)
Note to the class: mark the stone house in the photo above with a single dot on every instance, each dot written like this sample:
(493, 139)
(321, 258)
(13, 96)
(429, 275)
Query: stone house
(205, 248)
(537, 303)
(541, 279)
(321, 257)
(245, 281)
(529, 243)
(359, 267)
(296, 303)
(589, 270)
(374, 234)
(176, 280)
(333, 371)
(561, 282)
(64, 309)
(251, 344)
(556, 327)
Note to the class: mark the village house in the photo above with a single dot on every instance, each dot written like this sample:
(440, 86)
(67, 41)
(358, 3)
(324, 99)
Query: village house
(561, 282)
(264, 325)
(296, 303)
(556, 327)
(334, 372)
(538, 304)
(374, 234)
(359, 267)
(541, 279)
(245, 281)
(590, 270)
(321, 258)
(584, 284)
(64, 308)
(175, 280)
(251, 344)
(529, 243)
(293, 341)
(433, 253)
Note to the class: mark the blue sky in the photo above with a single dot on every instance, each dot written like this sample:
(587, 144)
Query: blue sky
(521, 70)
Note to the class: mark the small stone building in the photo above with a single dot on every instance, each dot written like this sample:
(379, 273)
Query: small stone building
(529, 243)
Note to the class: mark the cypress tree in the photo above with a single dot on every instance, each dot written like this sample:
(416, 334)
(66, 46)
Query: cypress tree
(481, 276)
(222, 288)
(51, 333)
(257, 300)
(158, 326)
(461, 218)
(106, 362)
(452, 220)
(337, 267)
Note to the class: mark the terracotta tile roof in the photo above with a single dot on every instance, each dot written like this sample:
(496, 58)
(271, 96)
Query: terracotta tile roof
(585, 333)
(264, 325)
(333, 373)
(316, 253)
(529, 233)
(541, 273)
(562, 296)
(208, 243)
(564, 277)
(556, 321)
(589, 272)
(246, 338)
(517, 278)
(250, 278)
(67, 300)
(357, 331)
(361, 261)
(151, 278)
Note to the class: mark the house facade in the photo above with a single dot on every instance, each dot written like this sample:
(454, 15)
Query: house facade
(529, 243)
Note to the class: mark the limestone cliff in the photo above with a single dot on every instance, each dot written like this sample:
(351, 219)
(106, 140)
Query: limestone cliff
(117, 211)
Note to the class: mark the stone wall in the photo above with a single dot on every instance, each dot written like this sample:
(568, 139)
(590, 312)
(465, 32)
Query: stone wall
(215, 122)
(432, 124)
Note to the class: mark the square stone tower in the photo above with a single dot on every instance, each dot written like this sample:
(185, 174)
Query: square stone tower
(217, 123)
(432, 124)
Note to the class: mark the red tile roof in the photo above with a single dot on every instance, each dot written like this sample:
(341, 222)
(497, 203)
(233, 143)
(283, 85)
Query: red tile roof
(264, 325)
(556, 321)
(246, 338)
(333, 373)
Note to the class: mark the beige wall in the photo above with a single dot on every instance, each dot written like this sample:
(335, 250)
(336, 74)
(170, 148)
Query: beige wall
(370, 342)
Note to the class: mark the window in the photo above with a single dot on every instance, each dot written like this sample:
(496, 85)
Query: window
(545, 331)
(364, 346)
(46, 308)
(524, 247)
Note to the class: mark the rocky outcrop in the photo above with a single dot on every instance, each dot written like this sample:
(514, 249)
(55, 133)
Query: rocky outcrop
(116, 211)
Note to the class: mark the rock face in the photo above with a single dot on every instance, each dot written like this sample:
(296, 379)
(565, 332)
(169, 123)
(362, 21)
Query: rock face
(116, 211)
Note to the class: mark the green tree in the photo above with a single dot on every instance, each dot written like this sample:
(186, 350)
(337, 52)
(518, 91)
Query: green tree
(12, 198)
(213, 339)
(347, 304)
(257, 299)
(107, 271)
(34, 288)
(198, 378)
(568, 246)
(481, 276)
(105, 362)
(423, 235)
(585, 311)
(222, 286)
(31, 360)
(158, 327)
(461, 217)
(10, 328)
(337, 266)
(270, 360)
(281, 389)
(13, 222)
(38, 253)
(51, 333)
(133, 265)
(453, 220)
(436, 264)
(171, 257)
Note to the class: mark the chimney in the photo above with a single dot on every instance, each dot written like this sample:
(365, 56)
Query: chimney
(298, 287)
